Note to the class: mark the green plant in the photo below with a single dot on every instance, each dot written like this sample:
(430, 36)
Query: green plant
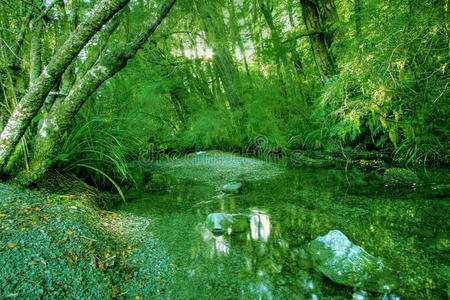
(98, 152)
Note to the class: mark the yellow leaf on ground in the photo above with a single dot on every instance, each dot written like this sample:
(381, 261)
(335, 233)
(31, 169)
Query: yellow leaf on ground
(37, 209)
(22, 228)
(70, 233)
(3, 215)
(12, 245)
(137, 297)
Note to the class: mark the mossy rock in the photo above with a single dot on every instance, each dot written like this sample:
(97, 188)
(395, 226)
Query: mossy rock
(336, 257)
(400, 177)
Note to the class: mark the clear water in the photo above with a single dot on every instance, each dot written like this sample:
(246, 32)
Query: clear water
(408, 229)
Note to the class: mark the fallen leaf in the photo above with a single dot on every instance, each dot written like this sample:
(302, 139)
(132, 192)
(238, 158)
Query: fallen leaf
(37, 209)
(129, 251)
(70, 233)
(161, 282)
(140, 286)
(137, 297)
(44, 217)
(22, 229)
(12, 245)
(3, 215)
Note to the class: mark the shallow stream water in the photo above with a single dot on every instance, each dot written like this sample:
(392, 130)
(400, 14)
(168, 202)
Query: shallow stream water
(408, 229)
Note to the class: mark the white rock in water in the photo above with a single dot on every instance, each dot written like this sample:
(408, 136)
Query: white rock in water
(218, 222)
(232, 187)
(336, 257)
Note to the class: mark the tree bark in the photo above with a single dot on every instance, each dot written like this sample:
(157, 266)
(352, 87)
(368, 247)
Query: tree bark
(318, 17)
(30, 104)
(46, 142)
(35, 52)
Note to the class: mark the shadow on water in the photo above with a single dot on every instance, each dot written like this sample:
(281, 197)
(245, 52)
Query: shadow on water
(267, 259)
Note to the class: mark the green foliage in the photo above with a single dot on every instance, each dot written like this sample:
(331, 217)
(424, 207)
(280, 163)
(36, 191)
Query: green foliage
(99, 152)
(392, 84)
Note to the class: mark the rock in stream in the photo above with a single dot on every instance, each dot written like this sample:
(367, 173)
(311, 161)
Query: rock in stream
(336, 257)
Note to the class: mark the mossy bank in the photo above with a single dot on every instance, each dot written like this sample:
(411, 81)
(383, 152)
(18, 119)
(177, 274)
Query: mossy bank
(61, 246)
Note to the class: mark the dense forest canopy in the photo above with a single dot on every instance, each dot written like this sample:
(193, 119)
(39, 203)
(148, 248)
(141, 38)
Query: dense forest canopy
(88, 85)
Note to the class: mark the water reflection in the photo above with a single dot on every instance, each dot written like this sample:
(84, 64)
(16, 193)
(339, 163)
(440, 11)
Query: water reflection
(260, 226)
(268, 260)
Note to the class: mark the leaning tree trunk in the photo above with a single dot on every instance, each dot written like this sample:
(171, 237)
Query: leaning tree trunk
(29, 105)
(319, 16)
(53, 128)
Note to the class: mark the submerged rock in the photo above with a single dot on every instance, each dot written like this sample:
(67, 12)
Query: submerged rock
(400, 177)
(336, 257)
(216, 168)
(220, 223)
(232, 188)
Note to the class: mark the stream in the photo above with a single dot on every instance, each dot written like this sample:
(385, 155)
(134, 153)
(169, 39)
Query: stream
(408, 229)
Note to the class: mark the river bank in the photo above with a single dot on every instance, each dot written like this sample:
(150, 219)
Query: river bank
(62, 246)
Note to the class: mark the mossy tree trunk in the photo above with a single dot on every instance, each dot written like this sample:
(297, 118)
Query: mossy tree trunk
(30, 104)
(320, 16)
(46, 142)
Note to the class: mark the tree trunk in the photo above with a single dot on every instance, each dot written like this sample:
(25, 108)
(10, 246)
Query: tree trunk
(35, 52)
(29, 105)
(46, 142)
(315, 18)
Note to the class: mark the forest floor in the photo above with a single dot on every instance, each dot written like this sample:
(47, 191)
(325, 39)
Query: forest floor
(62, 246)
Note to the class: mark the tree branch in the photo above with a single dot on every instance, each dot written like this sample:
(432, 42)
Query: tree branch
(45, 12)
